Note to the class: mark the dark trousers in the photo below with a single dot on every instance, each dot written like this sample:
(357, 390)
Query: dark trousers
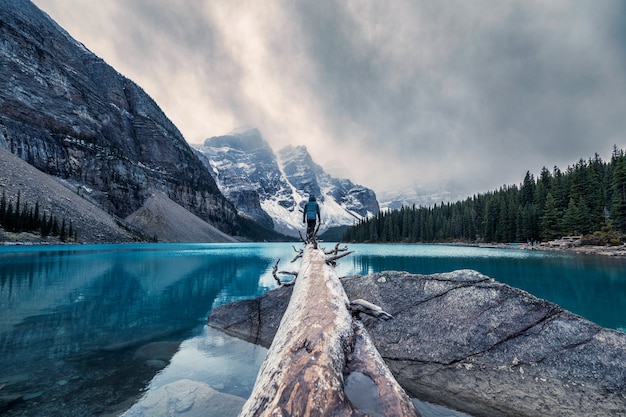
(310, 227)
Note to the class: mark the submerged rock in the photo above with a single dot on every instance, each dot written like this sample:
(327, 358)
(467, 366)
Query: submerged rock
(465, 341)
(186, 398)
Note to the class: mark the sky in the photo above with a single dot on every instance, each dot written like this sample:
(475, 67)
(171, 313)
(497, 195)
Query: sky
(406, 93)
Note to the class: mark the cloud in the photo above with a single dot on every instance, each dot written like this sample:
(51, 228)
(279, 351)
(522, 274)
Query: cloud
(387, 94)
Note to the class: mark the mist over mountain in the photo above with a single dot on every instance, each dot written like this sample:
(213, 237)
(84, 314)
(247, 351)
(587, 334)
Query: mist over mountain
(421, 196)
(271, 188)
(69, 114)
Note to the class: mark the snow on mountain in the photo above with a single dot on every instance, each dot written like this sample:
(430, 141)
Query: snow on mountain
(424, 196)
(272, 189)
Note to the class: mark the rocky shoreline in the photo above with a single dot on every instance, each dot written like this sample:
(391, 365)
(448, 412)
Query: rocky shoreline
(592, 250)
(556, 246)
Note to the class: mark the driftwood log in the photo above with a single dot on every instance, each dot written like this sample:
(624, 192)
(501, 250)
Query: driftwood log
(322, 361)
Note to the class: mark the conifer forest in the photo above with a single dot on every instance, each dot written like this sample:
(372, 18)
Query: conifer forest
(587, 199)
(26, 218)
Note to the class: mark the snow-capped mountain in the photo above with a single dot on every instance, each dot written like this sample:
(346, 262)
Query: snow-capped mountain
(272, 189)
(425, 196)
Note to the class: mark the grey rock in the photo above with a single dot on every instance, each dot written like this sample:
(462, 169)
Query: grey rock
(161, 218)
(186, 398)
(467, 342)
(254, 320)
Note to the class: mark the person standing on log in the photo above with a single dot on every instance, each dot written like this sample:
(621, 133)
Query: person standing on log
(311, 214)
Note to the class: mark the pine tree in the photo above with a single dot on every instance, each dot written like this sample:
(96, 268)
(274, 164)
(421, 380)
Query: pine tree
(550, 219)
(3, 207)
(45, 226)
(571, 218)
(618, 207)
(9, 218)
(54, 231)
(62, 233)
(36, 217)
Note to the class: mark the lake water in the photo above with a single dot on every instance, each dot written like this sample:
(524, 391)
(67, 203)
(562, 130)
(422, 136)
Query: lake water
(86, 330)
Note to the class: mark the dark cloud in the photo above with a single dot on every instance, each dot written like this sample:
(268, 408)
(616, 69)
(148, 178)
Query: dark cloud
(386, 93)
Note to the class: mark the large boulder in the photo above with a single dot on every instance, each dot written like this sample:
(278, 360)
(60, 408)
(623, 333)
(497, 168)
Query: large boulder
(465, 341)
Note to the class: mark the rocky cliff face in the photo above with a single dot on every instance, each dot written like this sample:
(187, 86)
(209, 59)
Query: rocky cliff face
(69, 114)
(272, 189)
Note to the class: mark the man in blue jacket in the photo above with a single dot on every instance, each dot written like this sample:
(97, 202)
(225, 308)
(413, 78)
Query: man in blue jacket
(311, 213)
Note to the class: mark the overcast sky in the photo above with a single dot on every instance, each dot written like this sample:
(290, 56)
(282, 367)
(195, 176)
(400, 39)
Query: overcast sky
(386, 93)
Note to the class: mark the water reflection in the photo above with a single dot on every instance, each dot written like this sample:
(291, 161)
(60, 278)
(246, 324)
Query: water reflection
(96, 301)
(61, 309)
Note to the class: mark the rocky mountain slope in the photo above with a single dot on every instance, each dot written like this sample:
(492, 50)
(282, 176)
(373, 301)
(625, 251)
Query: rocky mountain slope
(164, 220)
(69, 114)
(91, 223)
(159, 218)
(272, 188)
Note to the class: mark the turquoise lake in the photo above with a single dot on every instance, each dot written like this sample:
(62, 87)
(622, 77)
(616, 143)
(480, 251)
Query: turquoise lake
(77, 322)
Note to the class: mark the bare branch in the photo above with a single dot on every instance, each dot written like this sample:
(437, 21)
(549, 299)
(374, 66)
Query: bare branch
(359, 306)
(333, 259)
(298, 254)
(275, 273)
(336, 250)
(274, 269)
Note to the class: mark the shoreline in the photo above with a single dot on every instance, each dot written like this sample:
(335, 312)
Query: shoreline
(554, 246)
(615, 251)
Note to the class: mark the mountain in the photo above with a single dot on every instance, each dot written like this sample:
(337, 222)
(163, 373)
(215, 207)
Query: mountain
(272, 188)
(69, 114)
(420, 196)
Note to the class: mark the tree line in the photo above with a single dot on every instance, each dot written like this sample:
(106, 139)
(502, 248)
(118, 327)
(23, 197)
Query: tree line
(23, 217)
(588, 199)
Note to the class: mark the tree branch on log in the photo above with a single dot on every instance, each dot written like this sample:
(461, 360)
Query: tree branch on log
(336, 250)
(332, 261)
(299, 253)
(359, 306)
(275, 273)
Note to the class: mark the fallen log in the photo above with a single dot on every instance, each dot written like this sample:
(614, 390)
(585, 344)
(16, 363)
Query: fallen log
(322, 362)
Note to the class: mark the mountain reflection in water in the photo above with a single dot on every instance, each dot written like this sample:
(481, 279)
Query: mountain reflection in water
(86, 329)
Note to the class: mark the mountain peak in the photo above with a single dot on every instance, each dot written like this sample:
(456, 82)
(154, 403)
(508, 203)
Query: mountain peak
(272, 190)
(244, 130)
(244, 140)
